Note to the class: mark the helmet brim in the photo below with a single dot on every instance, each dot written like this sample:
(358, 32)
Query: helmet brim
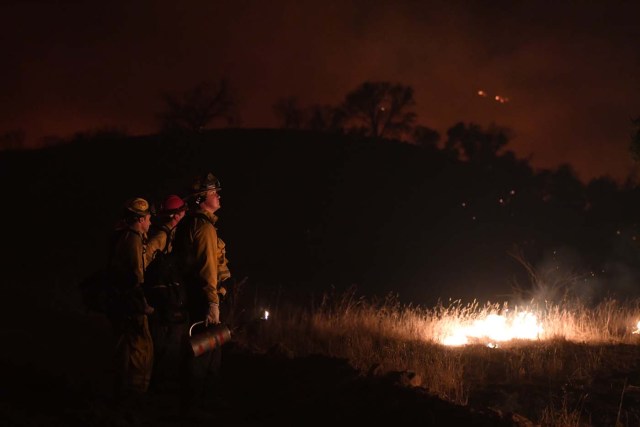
(174, 211)
(203, 191)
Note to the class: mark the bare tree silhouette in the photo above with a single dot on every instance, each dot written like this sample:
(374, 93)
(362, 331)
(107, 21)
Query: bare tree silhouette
(635, 139)
(289, 113)
(13, 139)
(325, 118)
(197, 108)
(380, 109)
(474, 143)
(425, 137)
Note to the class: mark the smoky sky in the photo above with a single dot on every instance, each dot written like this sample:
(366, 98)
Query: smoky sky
(570, 69)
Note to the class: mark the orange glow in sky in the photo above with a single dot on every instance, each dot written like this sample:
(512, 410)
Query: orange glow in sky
(86, 65)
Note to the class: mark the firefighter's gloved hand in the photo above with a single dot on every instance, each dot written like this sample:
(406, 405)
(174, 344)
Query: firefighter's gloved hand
(214, 314)
(148, 310)
(222, 291)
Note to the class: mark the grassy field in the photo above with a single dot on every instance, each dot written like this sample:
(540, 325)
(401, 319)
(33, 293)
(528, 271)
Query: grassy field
(564, 364)
(555, 364)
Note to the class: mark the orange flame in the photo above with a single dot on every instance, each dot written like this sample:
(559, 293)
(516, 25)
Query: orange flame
(523, 325)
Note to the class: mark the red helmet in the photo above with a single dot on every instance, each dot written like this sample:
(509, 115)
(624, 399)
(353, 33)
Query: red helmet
(172, 204)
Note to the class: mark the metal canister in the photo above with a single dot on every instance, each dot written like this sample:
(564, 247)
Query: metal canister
(208, 339)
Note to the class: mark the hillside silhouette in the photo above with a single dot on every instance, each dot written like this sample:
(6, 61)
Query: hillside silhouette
(304, 212)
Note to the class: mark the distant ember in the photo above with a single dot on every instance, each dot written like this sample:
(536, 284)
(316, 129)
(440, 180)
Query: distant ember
(498, 98)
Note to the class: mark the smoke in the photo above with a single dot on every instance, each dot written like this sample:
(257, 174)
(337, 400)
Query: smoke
(558, 275)
(621, 270)
(562, 274)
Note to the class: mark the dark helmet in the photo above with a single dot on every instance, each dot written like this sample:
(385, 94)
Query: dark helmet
(202, 184)
(137, 206)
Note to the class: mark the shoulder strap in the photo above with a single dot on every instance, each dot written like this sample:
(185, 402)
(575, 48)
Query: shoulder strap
(166, 231)
(169, 238)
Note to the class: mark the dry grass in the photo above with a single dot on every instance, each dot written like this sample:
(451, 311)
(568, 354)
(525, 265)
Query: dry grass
(544, 379)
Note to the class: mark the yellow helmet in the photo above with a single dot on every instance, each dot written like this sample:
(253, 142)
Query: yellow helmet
(137, 206)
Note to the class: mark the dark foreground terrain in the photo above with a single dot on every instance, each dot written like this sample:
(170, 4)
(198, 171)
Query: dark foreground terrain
(56, 373)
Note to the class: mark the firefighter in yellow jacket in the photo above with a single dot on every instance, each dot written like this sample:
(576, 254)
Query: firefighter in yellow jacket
(202, 260)
(128, 314)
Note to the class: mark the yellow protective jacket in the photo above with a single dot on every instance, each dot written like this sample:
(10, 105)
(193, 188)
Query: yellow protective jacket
(126, 265)
(202, 253)
(157, 241)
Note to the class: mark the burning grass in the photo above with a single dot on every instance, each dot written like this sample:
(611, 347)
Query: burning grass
(564, 364)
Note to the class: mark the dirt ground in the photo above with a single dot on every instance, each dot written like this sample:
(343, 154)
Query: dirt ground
(56, 372)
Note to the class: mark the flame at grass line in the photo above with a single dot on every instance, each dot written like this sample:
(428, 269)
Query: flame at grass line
(637, 331)
(523, 325)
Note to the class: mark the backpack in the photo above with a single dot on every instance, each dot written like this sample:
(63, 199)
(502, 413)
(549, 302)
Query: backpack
(102, 291)
(163, 287)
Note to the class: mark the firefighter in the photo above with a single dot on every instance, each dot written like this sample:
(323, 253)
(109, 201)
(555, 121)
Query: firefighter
(201, 257)
(129, 309)
(163, 228)
(165, 292)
